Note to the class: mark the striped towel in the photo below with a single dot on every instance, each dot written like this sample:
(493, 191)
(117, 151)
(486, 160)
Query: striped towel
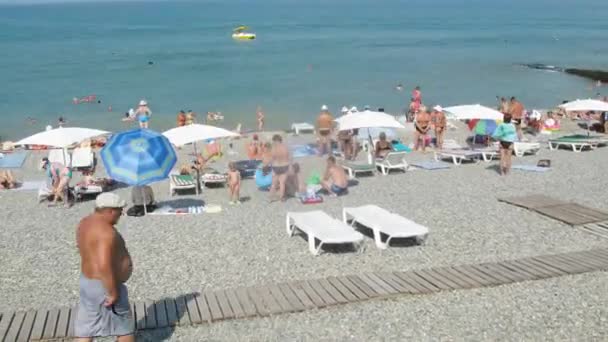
(183, 180)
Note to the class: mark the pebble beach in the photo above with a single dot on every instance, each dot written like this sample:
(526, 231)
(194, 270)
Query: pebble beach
(247, 245)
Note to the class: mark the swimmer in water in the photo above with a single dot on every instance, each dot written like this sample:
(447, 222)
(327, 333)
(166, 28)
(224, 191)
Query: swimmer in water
(399, 87)
(61, 121)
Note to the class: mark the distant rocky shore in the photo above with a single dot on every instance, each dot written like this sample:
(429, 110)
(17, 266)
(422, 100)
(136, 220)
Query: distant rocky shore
(596, 75)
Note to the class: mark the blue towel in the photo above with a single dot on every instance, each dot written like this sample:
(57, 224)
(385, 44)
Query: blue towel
(531, 168)
(298, 151)
(431, 165)
(12, 160)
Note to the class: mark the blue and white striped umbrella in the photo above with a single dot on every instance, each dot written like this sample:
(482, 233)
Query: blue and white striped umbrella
(138, 157)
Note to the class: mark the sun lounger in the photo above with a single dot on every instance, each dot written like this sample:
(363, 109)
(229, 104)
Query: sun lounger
(458, 155)
(57, 156)
(577, 142)
(302, 126)
(354, 167)
(83, 158)
(181, 182)
(522, 148)
(81, 190)
(317, 225)
(392, 161)
(488, 153)
(384, 223)
(212, 176)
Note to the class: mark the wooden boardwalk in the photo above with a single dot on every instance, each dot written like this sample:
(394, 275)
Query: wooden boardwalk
(278, 298)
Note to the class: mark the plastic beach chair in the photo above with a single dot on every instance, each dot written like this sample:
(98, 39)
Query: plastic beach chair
(384, 224)
(522, 148)
(181, 182)
(83, 158)
(302, 126)
(318, 226)
(392, 161)
(354, 167)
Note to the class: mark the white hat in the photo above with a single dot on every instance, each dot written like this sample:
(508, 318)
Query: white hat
(323, 107)
(438, 108)
(344, 109)
(143, 103)
(354, 109)
(109, 200)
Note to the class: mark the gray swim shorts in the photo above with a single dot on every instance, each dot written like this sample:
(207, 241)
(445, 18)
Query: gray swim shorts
(94, 319)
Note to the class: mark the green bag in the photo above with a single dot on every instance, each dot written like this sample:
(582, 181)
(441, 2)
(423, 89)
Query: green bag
(314, 179)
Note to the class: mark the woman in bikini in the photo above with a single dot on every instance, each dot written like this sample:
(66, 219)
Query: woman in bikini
(143, 114)
(383, 146)
(61, 176)
(422, 125)
(506, 134)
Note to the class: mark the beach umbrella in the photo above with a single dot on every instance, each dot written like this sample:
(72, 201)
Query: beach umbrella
(196, 132)
(585, 106)
(469, 112)
(61, 137)
(138, 157)
(483, 127)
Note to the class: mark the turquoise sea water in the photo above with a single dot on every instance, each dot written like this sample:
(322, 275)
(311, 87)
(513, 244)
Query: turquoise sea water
(308, 53)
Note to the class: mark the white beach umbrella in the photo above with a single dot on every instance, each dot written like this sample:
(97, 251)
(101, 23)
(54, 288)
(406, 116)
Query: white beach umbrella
(585, 106)
(61, 137)
(469, 112)
(196, 132)
(367, 119)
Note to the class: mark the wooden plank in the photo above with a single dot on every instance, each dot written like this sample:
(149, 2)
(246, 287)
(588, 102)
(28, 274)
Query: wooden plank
(245, 301)
(256, 297)
(301, 294)
(431, 279)
(276, 293)
(558, 270)
(172, 317)
(359, 283)
(291, 297)
(404, 286)
(344, 291)
(551, 261)
(62, 323)
(381, 290)
(507, 273)
(182, 310)
(352, 287)
(453, 277)
(234, 304)
(161, 314)
(39, 323)
(214, 306)
(532, 271)
(599, 260)
(602, 255)
(374, 276)
(325, 296)
(592, 265)
(150, 315)
(532, 201)
(386, 278)
(333, 291)
(406, 278)
(553, 264)
(565, 214)
(51, 324)
(73, 315)
(464, 281)
(444, 277)
(541, 268)
(223, 303)
(595, 230)
(13, 329)
(492, 274)
(5, 323)
(480, 279)
(578, 267)
(593, 215)
(310, 292)
(417, 281)
(197, 308)
(140, 315)
(269, 301)
(26, 327)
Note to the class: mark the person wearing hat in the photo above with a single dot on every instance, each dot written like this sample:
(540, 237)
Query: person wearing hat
(439, 122)
(143, 114)
(325, 124)
(105, 266)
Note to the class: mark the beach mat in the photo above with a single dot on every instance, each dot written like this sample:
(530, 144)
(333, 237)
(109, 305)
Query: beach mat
(431, 165)
(29, 186)
(12, 160)
(298, 151)
(532, 201)
(168, 210)
(531, 168)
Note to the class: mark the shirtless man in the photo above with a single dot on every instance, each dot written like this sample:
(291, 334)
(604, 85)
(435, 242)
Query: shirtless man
(422, 125)
(280, 160)
(438, 121)
(259, 115)
(325, 124)
(335, 180)
(516, 109)
(106, 265)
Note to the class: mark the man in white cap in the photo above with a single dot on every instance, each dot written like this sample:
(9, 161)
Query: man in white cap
(325, 125)
(106, 265)
(438, 121)
(143, 114)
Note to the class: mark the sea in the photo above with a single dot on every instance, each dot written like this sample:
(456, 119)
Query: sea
(179, 55)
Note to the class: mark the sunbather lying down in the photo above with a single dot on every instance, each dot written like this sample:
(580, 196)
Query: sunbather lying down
(88, 178)
(7, 180)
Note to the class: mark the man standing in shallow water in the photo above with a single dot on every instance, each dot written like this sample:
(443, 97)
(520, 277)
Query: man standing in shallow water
(106, 265)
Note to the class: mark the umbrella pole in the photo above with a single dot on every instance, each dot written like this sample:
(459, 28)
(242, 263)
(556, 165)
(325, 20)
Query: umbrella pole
(370, 156)
(198, 176)
(143, 194)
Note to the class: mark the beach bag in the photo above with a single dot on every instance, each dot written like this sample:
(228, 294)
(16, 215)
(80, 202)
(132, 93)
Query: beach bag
(263, 181)
(314, 179)
(544, 163)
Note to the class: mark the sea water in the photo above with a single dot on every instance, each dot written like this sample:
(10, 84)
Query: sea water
(308, 53)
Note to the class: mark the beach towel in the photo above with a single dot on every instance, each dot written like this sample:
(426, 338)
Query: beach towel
(29, 186)
(399, 147)
(531, 168)
(168, 210)
(431, 165)
(298, 151)
(12, 160)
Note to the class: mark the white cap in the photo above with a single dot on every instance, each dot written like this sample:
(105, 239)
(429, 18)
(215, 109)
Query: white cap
(354, 109)
(438, 108)
(323, 107)
(109, 200)
(143, 103)
(344, 109)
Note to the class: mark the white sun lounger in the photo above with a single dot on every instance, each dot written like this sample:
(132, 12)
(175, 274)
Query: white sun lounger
(487, 154)
(392, 161)
(302, 126)
(576, 146)
(384, 223)
(83, 158)
(522, 148)
(317, 225)
(57, 156)
(179, 182)
(354, 167)
(458, 155)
